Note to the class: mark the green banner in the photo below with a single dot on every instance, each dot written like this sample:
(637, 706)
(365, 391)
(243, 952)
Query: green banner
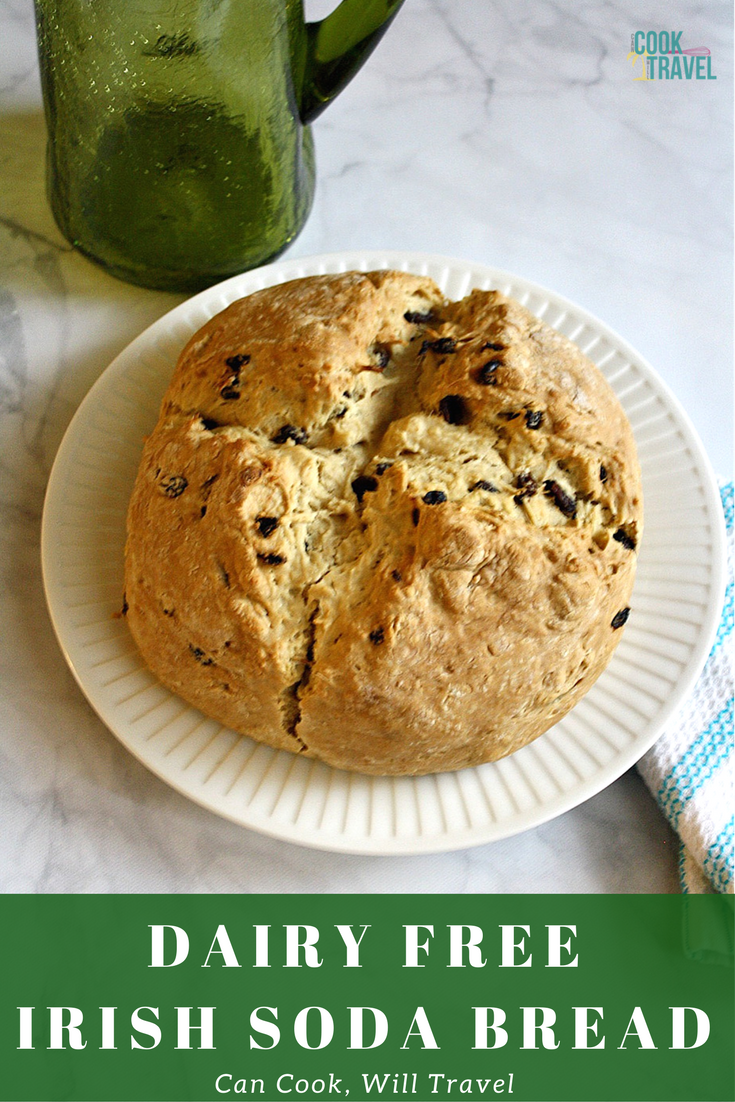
(366, 997)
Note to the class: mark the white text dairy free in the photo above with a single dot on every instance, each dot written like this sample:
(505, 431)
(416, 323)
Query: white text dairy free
(299, 946)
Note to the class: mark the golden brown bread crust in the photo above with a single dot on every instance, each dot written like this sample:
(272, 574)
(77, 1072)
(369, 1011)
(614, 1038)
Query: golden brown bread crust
(380, 529)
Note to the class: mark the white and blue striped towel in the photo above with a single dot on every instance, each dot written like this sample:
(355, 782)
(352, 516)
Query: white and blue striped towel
(690, 768)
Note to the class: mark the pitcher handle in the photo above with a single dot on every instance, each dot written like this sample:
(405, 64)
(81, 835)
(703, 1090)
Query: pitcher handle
(337, 46)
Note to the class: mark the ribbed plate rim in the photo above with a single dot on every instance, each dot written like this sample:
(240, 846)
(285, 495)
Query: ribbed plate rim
(451, 839)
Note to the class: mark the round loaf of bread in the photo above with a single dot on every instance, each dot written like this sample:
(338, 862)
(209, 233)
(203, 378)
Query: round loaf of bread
(382, 529)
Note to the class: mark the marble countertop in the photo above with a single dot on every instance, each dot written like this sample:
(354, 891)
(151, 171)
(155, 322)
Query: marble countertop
(509, 134)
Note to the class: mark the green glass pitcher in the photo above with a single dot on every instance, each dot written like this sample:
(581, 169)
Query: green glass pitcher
(179, 151)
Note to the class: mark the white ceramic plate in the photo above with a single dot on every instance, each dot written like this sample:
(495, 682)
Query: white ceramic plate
(676, 602)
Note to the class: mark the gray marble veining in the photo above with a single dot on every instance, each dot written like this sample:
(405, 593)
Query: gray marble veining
(509, 134)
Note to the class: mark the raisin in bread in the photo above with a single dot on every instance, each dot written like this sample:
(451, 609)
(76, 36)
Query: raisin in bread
(373, 527)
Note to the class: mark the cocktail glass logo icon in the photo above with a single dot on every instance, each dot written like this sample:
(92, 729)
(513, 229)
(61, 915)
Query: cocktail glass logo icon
(659, 55)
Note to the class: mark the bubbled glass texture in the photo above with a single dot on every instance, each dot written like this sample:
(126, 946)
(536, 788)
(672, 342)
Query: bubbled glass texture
(176, 155)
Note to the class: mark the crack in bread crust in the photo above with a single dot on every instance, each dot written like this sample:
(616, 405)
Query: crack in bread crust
(382, 529)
